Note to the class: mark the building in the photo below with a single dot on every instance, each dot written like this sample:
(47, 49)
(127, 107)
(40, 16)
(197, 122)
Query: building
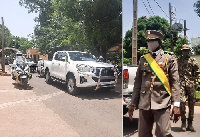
(35, 54)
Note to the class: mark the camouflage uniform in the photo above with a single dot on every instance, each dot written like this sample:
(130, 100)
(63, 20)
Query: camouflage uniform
(188, 72)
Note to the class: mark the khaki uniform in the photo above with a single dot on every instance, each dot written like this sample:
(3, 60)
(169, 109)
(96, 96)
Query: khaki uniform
(154, 103)
(188, 71)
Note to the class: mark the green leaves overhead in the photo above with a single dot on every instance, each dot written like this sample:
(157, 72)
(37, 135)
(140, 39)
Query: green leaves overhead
(92, 25)
(197, 7)
(152, 23)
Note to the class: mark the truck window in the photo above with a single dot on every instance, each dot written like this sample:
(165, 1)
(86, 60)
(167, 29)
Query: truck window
(60, 55)
(81, 56)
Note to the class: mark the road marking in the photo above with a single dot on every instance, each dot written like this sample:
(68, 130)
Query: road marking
(38, 98)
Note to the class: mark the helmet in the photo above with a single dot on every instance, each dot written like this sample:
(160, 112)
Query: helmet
(19, 53)
(185, 47)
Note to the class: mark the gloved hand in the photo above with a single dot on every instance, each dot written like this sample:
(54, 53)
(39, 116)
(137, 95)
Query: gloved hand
(176, 114)
(130, 111)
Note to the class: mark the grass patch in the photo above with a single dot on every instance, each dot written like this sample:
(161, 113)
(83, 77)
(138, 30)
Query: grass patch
(197, 96)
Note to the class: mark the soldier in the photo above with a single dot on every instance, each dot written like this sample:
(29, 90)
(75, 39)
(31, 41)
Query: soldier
(188, 72)
(153, 94)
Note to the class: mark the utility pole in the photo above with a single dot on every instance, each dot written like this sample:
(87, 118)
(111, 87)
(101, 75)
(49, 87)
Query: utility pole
(3, 54)
(170, 21)
(134, 34)
(185, 29)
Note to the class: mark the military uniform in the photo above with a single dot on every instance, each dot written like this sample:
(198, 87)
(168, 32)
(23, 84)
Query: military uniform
(151, 97)
(188, 71)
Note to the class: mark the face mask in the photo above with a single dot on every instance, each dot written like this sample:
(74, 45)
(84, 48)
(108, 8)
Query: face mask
(185, 53)
(152, 45)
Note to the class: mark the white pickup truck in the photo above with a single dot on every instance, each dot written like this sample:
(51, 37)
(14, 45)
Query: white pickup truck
(78, 70)
(129, 73)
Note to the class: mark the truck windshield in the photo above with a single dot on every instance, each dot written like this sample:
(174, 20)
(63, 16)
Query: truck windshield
(29, 59)
(81, 56)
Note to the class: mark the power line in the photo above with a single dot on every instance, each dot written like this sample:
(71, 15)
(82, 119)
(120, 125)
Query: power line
(150, 7)
(146, 7)
(161, 8)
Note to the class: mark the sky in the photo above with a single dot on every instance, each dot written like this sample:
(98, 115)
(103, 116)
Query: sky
(183, 9)
(16, 18)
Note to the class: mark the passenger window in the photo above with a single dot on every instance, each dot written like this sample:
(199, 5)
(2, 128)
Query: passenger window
(56, 56)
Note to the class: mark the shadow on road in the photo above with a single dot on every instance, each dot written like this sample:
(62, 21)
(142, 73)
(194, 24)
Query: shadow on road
(90, 94)
(130, 127)
(20, 87)
(176, 129)
(101, 94)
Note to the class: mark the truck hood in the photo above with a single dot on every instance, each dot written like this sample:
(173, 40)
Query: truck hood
(93, 63)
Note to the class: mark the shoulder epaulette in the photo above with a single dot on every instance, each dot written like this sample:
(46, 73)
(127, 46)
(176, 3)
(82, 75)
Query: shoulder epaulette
(169, 52)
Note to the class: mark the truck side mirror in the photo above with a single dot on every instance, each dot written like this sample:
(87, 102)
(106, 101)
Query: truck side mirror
(66, 58)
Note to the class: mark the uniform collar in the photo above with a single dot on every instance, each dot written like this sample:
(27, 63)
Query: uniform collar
(156, 52)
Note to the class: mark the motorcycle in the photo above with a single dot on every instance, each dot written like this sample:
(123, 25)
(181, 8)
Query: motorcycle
(21, 74)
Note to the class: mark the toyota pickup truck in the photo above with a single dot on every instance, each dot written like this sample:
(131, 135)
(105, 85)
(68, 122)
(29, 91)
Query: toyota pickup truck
(79, 70)
(129, 73)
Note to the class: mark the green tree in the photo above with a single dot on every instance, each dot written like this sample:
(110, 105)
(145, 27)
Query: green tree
(196, 49)
(93, 25)
(152, 23)
(24, 44)
(101, 20)
(197, 7)
(7, 37)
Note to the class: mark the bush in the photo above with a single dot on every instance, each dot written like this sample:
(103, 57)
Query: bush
(197, 96)
(127, 61)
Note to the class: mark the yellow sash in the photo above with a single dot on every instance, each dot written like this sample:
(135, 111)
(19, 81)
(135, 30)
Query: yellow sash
(158, 71)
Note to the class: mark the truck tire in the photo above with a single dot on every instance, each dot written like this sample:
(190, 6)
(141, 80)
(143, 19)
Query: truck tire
(71, 85)
(48, 78)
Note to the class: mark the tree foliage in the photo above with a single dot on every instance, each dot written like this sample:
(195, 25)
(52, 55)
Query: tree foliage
(7, 37)
(197, 7)
(196, 49)
(152, 23)
(92, 25)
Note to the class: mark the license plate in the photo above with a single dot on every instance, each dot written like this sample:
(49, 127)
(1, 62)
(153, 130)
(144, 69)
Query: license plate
(24, 76)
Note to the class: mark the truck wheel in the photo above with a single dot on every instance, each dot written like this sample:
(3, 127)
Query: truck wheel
(71, 85)
(48, 78)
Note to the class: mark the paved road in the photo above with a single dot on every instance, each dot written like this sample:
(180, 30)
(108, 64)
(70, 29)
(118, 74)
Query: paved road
(130, 127)
(47, 110)
(91, 113)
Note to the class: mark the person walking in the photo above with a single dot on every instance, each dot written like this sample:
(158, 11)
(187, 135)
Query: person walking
(188, 71)
(156, 87)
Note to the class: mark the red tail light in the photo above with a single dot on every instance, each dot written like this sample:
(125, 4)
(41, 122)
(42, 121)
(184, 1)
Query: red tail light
(125, 74)
(125, 78)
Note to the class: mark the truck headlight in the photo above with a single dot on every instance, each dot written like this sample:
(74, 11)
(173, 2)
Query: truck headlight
(84, 68)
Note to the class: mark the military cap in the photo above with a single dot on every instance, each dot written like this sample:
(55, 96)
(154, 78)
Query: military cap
(185, 47)
(153, 34)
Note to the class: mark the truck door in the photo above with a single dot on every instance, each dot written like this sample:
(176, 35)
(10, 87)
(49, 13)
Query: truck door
(62, 66)
(54, 67)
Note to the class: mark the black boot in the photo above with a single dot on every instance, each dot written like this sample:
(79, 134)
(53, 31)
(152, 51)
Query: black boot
(190, 127)
(183, 125)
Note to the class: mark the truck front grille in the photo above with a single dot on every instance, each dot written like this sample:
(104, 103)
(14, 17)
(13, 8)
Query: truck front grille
(104, 71)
